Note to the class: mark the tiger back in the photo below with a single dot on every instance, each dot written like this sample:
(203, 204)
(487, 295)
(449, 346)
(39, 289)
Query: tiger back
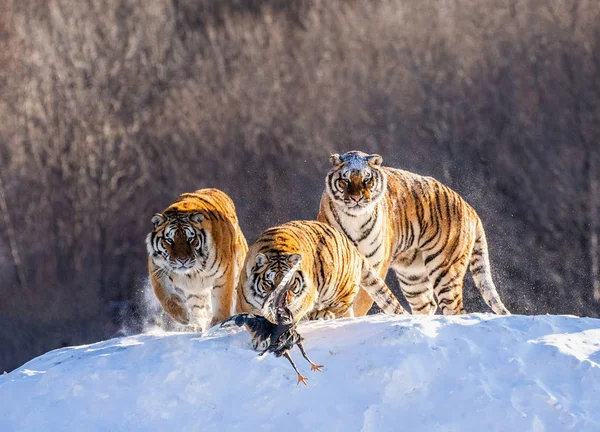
(195, 253)
(412, 224)
(328, 272)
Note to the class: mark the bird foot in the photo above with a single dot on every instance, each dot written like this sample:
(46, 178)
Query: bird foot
(302, 379)
(314, 367)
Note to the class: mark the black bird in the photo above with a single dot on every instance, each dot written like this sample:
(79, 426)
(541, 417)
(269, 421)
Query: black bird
(278, 339)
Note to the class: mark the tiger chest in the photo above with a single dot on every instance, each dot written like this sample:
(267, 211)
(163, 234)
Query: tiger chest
(367, 233)
(188, 284)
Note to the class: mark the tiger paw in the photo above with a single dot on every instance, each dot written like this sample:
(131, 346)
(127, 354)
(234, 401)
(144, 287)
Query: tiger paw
(196, 328)
(327, 315)
(322, 315)
(178, 310)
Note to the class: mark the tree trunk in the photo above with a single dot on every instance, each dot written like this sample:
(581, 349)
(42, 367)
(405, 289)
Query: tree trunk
(12, 239)
(593, 217)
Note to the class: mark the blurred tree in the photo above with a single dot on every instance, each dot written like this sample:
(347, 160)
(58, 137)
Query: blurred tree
(110, 110)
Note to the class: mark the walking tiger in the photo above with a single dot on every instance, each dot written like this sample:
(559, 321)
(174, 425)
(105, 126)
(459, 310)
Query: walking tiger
(324, 274)
(424, 231)
(196, 251)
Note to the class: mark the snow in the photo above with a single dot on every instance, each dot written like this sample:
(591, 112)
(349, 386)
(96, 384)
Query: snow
(471, 373)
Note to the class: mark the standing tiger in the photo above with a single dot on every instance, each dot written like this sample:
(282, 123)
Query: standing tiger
(320, 271)
(196, 251)
(417, 226)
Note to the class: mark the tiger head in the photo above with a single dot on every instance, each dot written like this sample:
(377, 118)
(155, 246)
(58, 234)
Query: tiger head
(178, 242)
(356, 180)
(276, 283)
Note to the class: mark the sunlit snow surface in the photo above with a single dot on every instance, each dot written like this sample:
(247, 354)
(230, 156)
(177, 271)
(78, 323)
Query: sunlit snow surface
(471, 373)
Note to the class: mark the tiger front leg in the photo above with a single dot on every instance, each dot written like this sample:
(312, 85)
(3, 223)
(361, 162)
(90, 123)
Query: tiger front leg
(201, 311)
(170, 302)
(221, 298)
(341, 309)
(324, 314)
(177, 309)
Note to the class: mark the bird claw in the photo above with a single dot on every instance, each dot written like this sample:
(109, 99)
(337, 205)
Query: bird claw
(302, 379)
(315, 368)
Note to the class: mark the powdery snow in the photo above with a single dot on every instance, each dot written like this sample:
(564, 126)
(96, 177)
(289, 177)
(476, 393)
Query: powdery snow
(471, 373)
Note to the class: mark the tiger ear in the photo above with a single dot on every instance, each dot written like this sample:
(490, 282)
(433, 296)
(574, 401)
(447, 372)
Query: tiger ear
(261, 259)
(157, 220)
(374, 160)
(335, 159)
(294, 259)
(196, 217)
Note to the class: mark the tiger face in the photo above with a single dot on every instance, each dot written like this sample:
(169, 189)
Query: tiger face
(178, 242)
(356, 180)
(267, 273)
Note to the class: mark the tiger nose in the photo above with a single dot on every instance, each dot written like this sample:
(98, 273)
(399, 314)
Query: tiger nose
(182, 260)
(355, 198)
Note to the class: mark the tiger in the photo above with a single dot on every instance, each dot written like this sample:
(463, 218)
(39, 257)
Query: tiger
(320, 268)
(421, 229)
(196, 250)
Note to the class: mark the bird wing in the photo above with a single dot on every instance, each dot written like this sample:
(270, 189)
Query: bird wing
(274, 307)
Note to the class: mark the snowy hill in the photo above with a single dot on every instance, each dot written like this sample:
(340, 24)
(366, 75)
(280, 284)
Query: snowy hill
(471, 373)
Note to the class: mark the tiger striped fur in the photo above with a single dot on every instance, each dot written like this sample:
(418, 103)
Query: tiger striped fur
(196, 251)
(417, 226)
(325, 273)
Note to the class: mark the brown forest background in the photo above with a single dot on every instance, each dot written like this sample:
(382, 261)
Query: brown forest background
(110, 109)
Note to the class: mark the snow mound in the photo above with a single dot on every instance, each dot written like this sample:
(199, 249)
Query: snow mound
(475, 372)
